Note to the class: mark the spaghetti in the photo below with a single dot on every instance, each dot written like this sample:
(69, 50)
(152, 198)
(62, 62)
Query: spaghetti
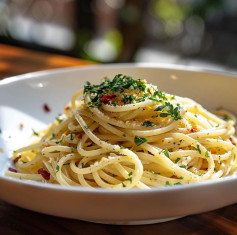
(125, 133)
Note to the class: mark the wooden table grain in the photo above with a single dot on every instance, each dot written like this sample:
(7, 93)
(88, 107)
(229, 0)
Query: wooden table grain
(15, 220)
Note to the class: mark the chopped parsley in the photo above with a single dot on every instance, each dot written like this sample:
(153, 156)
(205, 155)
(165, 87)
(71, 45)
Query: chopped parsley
(198, 149)
(154, 99)
(98, 103)
(182, 166)
(160, 94)
(71, 136)
(57, 168)
(128, 99)
(177, 159)
(82, 165)
(124, 185)
(90, 105)
(166, 152)
(148, 123)
(53, 135)
(140, 99)
(139, 140)
(225, 118)
(167, 183)
(102, 93)
(169, 111)
(156, 173)
(178, 183)
(59, 120)
(35, 133)
(66, 164)
(129, 179)
(207, 154)
(121, 147)
(130, 173)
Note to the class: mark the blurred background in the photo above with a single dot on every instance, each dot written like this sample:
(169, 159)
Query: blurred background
(190, 32)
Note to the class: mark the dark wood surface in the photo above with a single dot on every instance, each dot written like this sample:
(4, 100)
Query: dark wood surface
(15, 220)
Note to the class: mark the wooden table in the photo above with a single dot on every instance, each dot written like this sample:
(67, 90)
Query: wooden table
(14, 220)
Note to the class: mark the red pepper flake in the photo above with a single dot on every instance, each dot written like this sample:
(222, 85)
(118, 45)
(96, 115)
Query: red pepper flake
(66, 108)
(45, 174)
(46, 108)
(80, 136)
(193, 130)
(149, 91)
(12, 169)
(162, 140)
(21, 126)
(231, 140)
(16, 159)
(105, 99)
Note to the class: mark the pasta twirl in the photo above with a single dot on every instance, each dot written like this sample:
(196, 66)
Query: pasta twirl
(125, 133)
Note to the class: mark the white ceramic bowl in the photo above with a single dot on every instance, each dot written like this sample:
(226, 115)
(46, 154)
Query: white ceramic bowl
(21, 101)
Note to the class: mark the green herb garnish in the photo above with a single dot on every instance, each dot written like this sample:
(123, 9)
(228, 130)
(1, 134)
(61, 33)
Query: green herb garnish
(119, 83)
(160, 94)
(59, 120)
(57, 168)
(198, 149)
(177, 159)
(71, 136)
(139, 140)
(169, 111)
(35, 133)
(182, 166)
(148, 123)
(166, 152)
(167, 183)
(129, 179)
(90, 105)
(53, 135)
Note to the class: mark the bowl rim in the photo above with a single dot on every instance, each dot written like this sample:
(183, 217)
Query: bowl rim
(187, 68)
